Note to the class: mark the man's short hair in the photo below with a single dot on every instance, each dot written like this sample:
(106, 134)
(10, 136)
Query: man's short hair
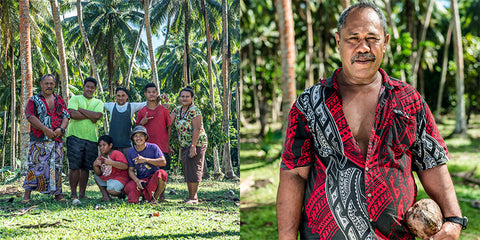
(120, 88)
(106, 138)
(149, 85)
(47, 75)
(363, 4)
(90, 79)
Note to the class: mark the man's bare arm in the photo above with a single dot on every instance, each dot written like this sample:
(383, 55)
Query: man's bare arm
(93, 116)
(77, 115)
(36, 123)
(291, 190)
(439, 186)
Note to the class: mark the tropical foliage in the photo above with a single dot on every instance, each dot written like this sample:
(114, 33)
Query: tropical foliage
(112, 28)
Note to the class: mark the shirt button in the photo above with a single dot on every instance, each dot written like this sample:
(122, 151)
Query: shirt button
(371, 220)
(366, 169)
(369, 195)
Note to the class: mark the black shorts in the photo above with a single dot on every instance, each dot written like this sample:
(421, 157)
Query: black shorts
(81, 153)
(169, 161)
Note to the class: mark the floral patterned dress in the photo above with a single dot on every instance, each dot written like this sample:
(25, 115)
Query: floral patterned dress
(183, 124)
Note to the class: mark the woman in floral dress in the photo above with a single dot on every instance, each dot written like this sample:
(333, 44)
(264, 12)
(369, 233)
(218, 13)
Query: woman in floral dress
(187, 119)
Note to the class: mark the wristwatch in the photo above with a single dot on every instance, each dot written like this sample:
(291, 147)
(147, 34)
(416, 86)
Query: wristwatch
(462, 221)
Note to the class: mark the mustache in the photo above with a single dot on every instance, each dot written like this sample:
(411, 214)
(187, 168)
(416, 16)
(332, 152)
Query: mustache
(49, 89)
(364, 56)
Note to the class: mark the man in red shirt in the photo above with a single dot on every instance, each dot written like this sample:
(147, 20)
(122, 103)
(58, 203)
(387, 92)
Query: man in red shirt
(48, 115)
(156, 119)
(352, 143)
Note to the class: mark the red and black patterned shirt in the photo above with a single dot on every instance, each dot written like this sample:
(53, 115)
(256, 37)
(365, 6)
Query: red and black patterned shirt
(348, 196)
(37, 106)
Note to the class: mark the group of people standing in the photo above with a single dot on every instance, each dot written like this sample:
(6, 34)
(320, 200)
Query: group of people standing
(121, 168)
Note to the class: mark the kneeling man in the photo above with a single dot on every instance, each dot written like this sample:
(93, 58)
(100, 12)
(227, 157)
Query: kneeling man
(110, 169)
(146, 159)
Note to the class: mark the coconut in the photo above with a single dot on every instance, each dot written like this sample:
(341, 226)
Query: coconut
(424, 218)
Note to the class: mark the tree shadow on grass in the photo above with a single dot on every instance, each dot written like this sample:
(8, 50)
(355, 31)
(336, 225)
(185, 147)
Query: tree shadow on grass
(182, 236)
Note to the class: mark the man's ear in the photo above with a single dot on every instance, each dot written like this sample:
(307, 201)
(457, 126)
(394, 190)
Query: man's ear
(387, 39)
(337, 40)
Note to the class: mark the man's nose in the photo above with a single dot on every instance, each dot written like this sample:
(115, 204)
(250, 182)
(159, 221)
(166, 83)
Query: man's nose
(363, 46)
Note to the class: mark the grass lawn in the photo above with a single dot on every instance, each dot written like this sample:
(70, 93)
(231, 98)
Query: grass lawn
(215, 217)
(258, 212)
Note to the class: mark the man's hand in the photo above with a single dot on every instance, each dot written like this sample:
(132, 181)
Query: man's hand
(97, 162)
(139, 184)
(49, 133)
(145, 119)
(108, 160)
(58, 133)
(140, 159)
(170, 150)
(448, 231)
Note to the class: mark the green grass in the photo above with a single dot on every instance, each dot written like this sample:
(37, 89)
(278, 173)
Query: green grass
(258, 205)
(215, 217)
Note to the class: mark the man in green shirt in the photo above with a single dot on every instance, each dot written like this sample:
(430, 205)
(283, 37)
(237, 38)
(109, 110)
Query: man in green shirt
(82, 136)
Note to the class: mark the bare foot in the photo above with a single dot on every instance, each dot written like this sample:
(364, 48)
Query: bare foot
(192, 201)
(106, 199)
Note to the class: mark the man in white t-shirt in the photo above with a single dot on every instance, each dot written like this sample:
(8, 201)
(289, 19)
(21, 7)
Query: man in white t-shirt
(121, 119)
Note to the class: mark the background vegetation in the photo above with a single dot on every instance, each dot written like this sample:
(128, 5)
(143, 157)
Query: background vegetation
(422, 51)
(184, 54)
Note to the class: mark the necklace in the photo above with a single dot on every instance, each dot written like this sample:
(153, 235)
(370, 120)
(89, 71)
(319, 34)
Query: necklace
(184, 114)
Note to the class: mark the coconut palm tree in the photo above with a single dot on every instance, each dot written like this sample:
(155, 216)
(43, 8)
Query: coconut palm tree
(61, 49)
(26, 65)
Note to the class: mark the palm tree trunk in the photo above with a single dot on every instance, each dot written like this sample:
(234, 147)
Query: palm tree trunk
(287, 47)
(186, 55)
(91, 58)
(461, 124)
(227, 160)
(130, 67)
(216, 162)
(256, 104)
(396, 35)
(77, 63)
(309, 54)
(148, 30)
(5, 123)
(345, 4)
(423, 35)
(166, 38)
(444, 73)
(61, 49)
(26, 64)
(13, 115)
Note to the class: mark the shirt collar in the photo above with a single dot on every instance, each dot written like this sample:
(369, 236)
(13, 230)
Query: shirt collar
(388, 82)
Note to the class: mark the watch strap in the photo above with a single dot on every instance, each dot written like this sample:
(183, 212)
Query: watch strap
(460, 220)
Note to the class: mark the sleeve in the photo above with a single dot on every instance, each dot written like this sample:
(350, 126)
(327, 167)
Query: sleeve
(130, 156)
(196, 112)
(429, 149)
(73, 103)
(118, 156)
(140, 115)
(65, 113)
(137, 106)
(109, 106)
(166, 115)
(30, 109)
(297, 150)
(158, 152)
(99, 106)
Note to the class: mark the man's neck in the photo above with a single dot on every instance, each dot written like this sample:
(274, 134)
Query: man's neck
(46, 95)
(87, 97)
(140, 148)
(152, 104)
(121, 104)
